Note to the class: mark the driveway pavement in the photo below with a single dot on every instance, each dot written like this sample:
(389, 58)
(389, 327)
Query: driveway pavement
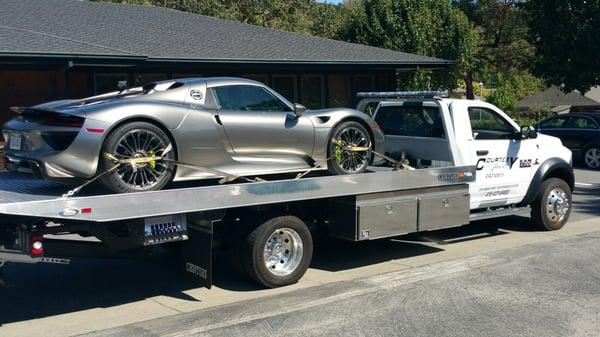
(150, 297)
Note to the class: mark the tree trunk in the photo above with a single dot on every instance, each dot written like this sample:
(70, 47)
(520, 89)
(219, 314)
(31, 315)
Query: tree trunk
(469, 85)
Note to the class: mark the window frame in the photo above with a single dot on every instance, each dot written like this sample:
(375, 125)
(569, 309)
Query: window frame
(294, 78)
(572, 118)
(323, 89)
(281, 100)
(380, 107)
(513, 130)
(562, 127)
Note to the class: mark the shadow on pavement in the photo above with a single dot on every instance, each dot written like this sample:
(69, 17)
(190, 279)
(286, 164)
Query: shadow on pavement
(45, 290)
(587, 200)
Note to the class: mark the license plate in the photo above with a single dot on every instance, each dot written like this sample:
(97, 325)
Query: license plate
(15, 142)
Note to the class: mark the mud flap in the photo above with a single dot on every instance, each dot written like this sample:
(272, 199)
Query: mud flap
(197, 250)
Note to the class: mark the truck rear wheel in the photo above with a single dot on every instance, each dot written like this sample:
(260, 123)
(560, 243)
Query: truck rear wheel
(278, 252)
(552, 208)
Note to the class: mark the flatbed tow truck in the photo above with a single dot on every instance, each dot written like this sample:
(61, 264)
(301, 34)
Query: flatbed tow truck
(267, 226)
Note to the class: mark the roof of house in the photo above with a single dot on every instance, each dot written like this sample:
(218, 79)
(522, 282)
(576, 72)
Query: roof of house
(82, 29)
(554, 97)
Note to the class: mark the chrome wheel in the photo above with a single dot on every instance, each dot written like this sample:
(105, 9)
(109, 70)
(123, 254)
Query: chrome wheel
(592, 158)
(140, 143)
(557, 204)
(283, 252)
(352, 147)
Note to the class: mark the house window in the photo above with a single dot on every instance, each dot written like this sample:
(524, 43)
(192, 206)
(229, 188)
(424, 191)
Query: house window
(145, 78)
(186, 75)
(286, 86)
(339, 90)
(362, 83)
(107, 82)
(312, 91)
(262, 78)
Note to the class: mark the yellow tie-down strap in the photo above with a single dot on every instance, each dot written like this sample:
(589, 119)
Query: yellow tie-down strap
(132, 161)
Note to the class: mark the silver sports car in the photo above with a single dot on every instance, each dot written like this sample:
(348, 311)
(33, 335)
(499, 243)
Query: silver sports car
(186, 129)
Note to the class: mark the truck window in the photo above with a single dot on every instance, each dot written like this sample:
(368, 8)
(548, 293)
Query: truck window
(487, 124)
(411, 121)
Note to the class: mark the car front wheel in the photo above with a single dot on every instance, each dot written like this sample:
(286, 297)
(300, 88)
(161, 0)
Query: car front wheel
(349, 149)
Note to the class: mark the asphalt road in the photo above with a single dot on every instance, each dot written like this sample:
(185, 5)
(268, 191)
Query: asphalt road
(498, 277)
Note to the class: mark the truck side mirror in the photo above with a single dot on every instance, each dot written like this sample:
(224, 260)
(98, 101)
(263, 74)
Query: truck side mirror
(528, 132)
(299, 109)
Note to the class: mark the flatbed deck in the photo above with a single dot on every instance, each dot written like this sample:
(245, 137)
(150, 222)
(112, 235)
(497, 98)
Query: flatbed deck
(24, 196)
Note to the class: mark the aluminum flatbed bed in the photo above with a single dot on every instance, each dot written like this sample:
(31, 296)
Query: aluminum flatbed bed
(24, 196)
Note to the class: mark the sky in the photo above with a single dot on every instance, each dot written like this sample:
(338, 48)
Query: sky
(331, 1)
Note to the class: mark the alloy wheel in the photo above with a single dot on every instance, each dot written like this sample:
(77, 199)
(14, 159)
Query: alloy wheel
(592, 158)
(352, 149)
(139, 143)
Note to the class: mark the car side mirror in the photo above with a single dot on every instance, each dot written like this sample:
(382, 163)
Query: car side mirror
(528, 132)
(299, 109)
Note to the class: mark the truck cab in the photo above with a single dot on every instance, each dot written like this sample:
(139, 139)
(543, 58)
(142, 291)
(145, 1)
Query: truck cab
(512, 163)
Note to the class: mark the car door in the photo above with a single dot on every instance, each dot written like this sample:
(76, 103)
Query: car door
(579, 131)
(261, 127)
(504, 162)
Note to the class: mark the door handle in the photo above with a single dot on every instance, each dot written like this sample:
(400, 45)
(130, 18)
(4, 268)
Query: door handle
(482, 152)
(218, 120)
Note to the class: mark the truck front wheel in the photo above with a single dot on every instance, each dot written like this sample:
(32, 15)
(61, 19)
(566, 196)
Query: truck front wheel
(278, 252)
(551, 209)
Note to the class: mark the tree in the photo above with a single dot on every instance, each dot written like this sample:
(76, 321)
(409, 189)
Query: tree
(303, 16)
(512, 88)
(427, 27)
(566, 34)
(503, 48)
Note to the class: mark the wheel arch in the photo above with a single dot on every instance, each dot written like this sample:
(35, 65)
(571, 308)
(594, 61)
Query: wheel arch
(150, 120)
(588, 146)
(351, 119)
(551, 168)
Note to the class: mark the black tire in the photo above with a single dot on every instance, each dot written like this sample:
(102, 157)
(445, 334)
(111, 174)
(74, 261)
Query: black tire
(253, 254)
(545, 214)
(334, 164)
(590, 157)
(114, 181)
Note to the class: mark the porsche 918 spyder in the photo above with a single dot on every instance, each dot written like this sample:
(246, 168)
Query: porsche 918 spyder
(232, 126)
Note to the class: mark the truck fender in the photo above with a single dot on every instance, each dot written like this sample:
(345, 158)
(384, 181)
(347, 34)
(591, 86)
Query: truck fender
(551, 168)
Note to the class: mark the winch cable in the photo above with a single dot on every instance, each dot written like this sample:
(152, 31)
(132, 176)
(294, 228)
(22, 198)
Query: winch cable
(227, 177)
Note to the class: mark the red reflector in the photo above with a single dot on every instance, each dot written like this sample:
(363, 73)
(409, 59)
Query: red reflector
(37, 246)
(86, 210)
(94, 130)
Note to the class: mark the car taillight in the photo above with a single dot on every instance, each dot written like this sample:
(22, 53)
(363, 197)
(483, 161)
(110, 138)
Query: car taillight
(64, 120)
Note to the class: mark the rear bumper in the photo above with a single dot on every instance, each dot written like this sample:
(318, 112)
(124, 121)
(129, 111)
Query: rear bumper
(39, 169)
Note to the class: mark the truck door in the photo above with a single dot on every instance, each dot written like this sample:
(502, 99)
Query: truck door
(504, 162)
